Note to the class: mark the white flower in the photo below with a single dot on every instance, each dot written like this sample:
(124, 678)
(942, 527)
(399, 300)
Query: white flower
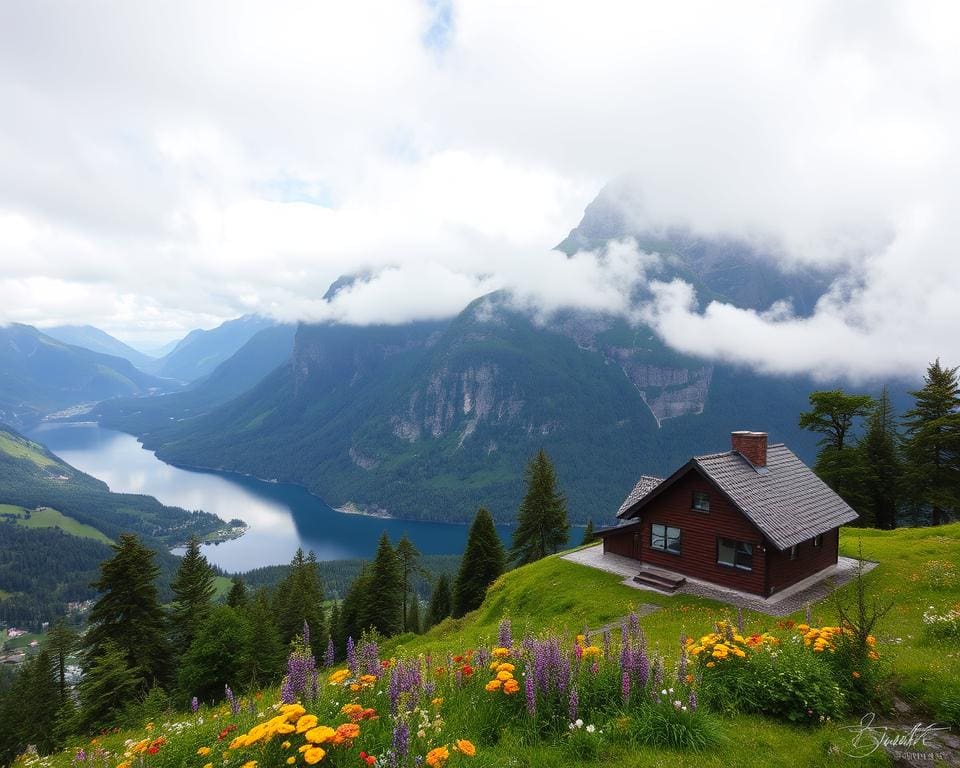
(591, 728)
(571, 726)
(664, 692)
(683, 708)
(579, 723)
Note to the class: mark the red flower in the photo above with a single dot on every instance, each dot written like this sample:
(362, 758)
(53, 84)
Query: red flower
(457, 659)
(467, 670)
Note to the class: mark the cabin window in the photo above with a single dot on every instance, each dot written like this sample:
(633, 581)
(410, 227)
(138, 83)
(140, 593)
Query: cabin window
(701, 501)
(818, 540)
(793, 552)
(665, 538)
(735, 554)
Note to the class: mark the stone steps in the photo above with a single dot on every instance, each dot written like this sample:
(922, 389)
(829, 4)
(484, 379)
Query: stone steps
(665, 582)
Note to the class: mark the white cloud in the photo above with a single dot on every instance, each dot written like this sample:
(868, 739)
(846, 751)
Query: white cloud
(165, 167)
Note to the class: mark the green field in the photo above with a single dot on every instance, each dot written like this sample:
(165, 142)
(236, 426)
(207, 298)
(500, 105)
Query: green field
(51, 518)
(24, 449)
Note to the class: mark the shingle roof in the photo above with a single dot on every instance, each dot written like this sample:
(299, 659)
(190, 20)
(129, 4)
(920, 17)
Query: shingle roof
(785, 500)
(644, 485)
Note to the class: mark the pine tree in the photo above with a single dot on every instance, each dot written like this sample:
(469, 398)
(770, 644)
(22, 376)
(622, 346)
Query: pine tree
(588, 535)
(483, 561)
(932, 447)
(542, 526)
(441, 603)
(336, 630)
(107, 685)
(413, 614)
(834, 414)
(353, 611)
(237, 596)
(61, 642)
(193, 589)
(883, 468)
(408, 557)
(299, 599)
(29, 711)
(382, 608)
(128, 617)
(266, 654)
(217, 655)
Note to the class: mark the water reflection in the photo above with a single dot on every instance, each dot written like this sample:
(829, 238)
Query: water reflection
(281, 517)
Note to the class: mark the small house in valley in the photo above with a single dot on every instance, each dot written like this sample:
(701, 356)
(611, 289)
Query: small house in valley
(754, 518)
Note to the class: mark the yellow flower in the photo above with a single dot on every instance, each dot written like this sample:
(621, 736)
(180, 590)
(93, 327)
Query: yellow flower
(437, 701)
(504, 675)
(711, 663)
(466, 747)
(249, 764)
(204, 751)
(493, 685)
(285, 745)
(498, 653)
(581, 639)
(338, 677)
(505, 667)
(291, 760)
(320, 734)
(313, 755)
(127, 765)
(306, 722)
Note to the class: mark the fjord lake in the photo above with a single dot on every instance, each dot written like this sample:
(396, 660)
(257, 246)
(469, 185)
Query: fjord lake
(280, 517)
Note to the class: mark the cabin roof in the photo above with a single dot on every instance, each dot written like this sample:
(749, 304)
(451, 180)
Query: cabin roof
(785, 500)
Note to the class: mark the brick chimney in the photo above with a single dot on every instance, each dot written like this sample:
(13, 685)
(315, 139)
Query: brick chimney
(752, 445)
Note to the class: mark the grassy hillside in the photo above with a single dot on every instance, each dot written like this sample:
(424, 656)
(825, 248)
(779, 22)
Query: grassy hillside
(917, 567)
(50, 518)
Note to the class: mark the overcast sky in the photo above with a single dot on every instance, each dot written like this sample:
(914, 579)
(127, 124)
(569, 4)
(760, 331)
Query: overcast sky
(165, 166)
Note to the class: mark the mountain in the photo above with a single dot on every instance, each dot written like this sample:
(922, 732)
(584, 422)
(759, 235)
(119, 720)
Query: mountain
(200, 352)
(95, 340)
(39, 375)
(56, 523)
(262, 354)
(431, 420)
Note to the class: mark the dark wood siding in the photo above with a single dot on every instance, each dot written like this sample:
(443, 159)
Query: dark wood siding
(625, 542)
(809, 560)
(699, 534)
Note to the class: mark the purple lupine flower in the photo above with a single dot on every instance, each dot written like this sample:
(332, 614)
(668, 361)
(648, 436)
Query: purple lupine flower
(657, 672)
(595, 668)
(625, 685)
(330, 656)
(641, 666)
(81, 756)
(351, 655)
(692, 701)
(682, 665)
(368, 654)
(634, 624)
(574, 704)
(301, 676)
(530, 688)
(401, 739)
(194, 705)
(505, 637)
(234, 703)
(563, 673)
(626, 657)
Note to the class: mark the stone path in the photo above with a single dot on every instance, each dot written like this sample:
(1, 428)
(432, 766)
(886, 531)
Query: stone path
(783, 603)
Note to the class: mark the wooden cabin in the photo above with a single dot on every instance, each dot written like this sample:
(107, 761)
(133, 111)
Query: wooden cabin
(754, 518)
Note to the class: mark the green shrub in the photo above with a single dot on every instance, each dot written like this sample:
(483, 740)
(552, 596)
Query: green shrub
(942, 625)
(676, 727)
(794, 683)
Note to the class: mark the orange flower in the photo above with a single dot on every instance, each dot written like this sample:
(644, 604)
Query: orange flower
(511, 686)
(437, 757)
(466, 747)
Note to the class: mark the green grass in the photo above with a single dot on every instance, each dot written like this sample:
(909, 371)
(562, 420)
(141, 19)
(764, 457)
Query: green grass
(51, 518)
(554, 594)
(24, 449)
